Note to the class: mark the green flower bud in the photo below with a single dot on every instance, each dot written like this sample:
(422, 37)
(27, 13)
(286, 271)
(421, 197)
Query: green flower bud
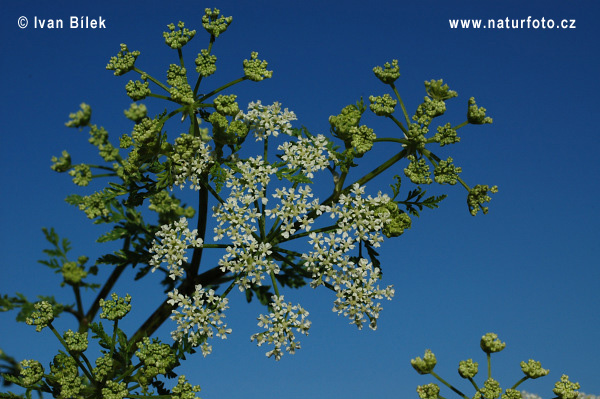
(418, 171)
(82, 175)
(157, 358)
(180, 91)
(511, 394)
(490, 343)
(80, 118)
(389, 73)
(178, 39)
(437, 90)
(428, 110)
(123, 62)
(115, 390)
(566, 389)
(226, 105)
(206, 63)
(475, 115)
(425, 365)
(394, 221)
(31, 372)
(416, 135)
(446, 172)
(137, 90)
(346, 120)
(116, 308)
(108, 152)
(95, 205)
(42, 317)
(184, 390)
(255, 69)
(382, 105)
(73, 273)
(125, 141)
(214, 24)
(104, 367)
(136, 112)
(76, 342)
(429, 391)
(477, 196)
(533, 369)
(65, 376)
(98, 136)
(61, 164)
(362, 139)
(446, 135)
(491, 389)
(468, 368)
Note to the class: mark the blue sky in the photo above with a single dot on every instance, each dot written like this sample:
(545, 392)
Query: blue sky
(528, 270)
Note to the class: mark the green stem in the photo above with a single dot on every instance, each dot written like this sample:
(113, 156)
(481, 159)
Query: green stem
(465, 123)
(391, 140)
(400, 125)
(440, 379)
(474, 384)
(522, 380)
(79, 304)
(114, 338)
(401, 103)
(161, 97)
(180, 53)
(152, 79)
(212, 93)
(274, 281)
(489, 365)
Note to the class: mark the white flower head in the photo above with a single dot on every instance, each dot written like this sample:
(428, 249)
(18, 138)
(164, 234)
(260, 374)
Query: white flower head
(199, 317)
(172, 242)
(280, 325)
(267, 120)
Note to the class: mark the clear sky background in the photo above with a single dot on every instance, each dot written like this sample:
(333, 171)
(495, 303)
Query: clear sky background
(528, 270)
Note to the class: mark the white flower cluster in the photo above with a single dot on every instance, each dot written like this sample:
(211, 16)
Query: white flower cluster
(280, 325)
(293, 207)
(267, 120)
(307, 154)
(581, 395)
(238, 217)
(191, 170)
(331, 263)
(199, 317)
(174, 240)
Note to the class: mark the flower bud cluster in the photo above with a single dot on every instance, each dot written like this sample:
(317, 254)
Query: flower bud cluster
(31, 372)
(136, 112)
(477, 196)
(255, 69)
(206, 63)
(178, 39)
(213, 23)
(382, 105)
(42, 317)
(80, 118)
(115, 308)
(138, 90)
(533, 369)
(123, 62)
(476, 115)
(389, 73)
(425, 365)
(418, 170)
(180, 89)
(446, 172)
